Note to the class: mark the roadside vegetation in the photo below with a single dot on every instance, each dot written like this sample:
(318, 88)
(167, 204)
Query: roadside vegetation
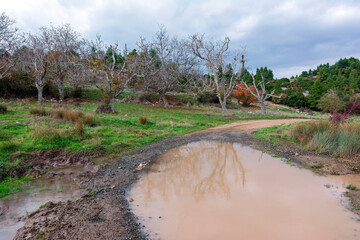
(322, 136)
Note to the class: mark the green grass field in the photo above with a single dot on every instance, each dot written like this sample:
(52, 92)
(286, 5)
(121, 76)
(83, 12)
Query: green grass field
(22, 133)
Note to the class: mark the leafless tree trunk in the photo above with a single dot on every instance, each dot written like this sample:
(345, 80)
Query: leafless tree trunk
(61, 90)
(9, 43)
(215, 54)
(36, 60)
(261, 94)
(115, 75)
(173, 59)
(62, 44)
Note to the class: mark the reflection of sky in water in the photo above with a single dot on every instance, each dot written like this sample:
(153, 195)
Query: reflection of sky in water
(208, 189)
(38, 193)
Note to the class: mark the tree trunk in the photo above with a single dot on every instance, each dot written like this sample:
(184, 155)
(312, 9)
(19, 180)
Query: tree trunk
(223, 105)
(262, 105)
(162, 99)
(40, 94)
(112, 104)
(61, 92)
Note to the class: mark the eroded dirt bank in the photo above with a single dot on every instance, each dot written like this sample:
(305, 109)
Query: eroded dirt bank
(104, 212)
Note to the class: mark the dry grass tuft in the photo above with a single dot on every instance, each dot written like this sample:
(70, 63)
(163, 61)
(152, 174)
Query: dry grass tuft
(38, 111)
(73, 116)
(143, 120)
(79, 128)
(89, 119)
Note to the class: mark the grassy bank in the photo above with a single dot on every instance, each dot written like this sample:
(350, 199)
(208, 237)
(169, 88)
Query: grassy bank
(341, 140)
(324, 137)
(26, 129)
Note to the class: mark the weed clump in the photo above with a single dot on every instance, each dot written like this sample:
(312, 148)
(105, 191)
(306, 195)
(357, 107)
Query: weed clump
(351, 187)
(317, 166)
(89, 119)
(103, 109)
(45, 133)
(335, 139)
(143, 120)
(73, 116)
(3, 109)
(79, 128)
(38, 111)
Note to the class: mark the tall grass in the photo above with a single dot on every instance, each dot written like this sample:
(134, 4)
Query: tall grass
(341, 140)
(73, 116)
(46, 133)
(39, 111)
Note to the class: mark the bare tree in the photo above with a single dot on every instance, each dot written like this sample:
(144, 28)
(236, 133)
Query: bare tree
(36, 60)
(215, 55)
(259, 91)
(9, 42)
(115, 70)
(63, 44)
(173, 60)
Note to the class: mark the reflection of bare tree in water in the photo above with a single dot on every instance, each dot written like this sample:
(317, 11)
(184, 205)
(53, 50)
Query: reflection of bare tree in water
(227, 160)
(198, 169)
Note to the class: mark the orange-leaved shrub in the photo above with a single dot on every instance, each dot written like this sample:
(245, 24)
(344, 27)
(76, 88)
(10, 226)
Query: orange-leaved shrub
(244, 96)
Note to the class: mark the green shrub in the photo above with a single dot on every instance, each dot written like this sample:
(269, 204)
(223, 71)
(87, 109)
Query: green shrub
(351, 187)
(296, 100)
(206, 97)
(331, 102)
(77, 92)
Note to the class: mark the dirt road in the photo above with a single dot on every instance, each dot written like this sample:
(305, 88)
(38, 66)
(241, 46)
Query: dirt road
(104, 212)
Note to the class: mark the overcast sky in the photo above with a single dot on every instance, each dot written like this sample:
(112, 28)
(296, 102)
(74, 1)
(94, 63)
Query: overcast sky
(286, 36)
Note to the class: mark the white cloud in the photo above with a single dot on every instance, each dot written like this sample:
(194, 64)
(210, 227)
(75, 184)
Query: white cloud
(283, 35)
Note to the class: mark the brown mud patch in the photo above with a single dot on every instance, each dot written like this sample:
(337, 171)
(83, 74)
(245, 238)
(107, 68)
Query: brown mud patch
(46, 162)
(108, 188)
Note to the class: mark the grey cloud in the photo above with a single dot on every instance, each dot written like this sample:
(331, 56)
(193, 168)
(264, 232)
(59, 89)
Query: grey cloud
(283, 35)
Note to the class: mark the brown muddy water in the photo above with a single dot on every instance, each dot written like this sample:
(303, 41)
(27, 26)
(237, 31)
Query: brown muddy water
(213, 190)
(37, 193)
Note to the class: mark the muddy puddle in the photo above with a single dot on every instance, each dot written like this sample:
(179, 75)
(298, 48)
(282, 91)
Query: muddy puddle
(36, 193)
(212, 190)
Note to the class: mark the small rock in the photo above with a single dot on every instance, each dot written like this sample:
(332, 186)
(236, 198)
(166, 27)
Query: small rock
(113, 186)
(296, 154)
(131, 200)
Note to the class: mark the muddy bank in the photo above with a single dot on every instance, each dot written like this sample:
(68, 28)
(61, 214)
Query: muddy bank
(104, 212)
(44, 163)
